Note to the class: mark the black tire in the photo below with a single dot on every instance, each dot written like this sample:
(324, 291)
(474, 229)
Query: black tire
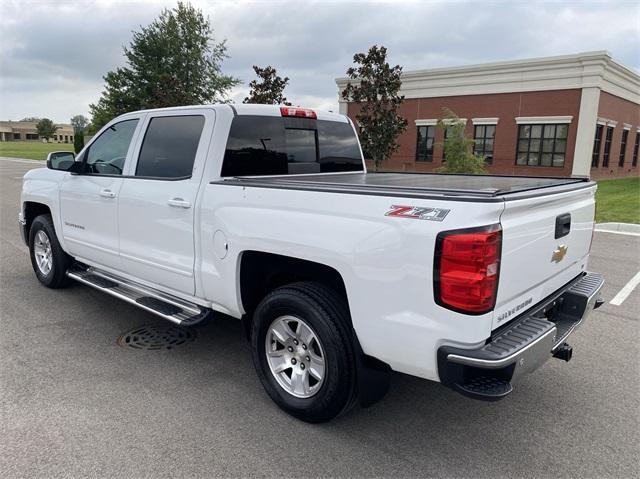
(326, 312)
(56, 277)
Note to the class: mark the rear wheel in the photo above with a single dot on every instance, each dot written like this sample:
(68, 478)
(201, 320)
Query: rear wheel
(49, 261)
(302, 351)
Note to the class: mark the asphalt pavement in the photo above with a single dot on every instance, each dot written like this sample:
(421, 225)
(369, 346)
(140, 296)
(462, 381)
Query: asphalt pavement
(76, 404)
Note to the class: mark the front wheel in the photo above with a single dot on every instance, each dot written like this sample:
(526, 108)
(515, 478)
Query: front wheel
(49, 261)
(302, 351)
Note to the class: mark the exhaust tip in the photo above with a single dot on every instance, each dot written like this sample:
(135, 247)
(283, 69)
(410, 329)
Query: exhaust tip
(564, 352)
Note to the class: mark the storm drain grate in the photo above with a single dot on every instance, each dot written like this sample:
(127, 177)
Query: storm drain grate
(157, 337)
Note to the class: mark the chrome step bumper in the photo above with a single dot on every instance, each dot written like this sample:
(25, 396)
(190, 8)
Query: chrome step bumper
(523, 345)
(166, 306)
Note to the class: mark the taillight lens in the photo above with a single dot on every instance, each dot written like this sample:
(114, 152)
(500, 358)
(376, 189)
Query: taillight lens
(466, 269)
(298, 112)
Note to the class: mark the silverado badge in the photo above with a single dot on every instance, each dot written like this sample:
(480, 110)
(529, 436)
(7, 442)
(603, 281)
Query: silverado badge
(559, 253)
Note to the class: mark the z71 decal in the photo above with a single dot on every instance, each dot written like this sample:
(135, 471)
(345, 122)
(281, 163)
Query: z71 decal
(418, 212)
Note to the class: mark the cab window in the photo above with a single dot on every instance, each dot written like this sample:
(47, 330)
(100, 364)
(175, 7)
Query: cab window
(107, 154)
(267, 145)
(170, 146)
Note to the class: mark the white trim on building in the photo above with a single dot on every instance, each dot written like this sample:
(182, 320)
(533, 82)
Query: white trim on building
(429, 122)
(446, 121)
(543, 120)
(485, 121)
(606, 121)
(582, 70)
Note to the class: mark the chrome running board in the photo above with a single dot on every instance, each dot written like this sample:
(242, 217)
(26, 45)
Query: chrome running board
(161, 304)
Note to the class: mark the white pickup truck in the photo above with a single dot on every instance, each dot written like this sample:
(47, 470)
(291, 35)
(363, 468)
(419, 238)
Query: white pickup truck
(267, 214)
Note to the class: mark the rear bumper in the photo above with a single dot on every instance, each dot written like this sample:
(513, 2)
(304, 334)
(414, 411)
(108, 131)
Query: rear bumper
(523, 345)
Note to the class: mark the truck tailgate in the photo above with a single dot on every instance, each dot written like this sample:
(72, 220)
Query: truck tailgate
(546, 241)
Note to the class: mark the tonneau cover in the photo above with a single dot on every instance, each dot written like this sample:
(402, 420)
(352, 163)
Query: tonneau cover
(413, 184)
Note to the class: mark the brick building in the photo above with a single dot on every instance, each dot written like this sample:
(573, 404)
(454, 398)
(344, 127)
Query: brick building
(556, 116)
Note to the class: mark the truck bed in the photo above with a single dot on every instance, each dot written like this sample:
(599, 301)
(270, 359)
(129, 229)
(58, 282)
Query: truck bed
(419, 185)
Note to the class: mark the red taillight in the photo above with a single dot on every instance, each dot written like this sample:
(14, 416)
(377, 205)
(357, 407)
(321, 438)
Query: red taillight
(299, 112)
(466, 269)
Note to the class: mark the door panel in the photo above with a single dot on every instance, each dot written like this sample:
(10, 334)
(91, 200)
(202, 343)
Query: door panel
(89, 201)
(156, 241)
(88, 209)
(156, 218)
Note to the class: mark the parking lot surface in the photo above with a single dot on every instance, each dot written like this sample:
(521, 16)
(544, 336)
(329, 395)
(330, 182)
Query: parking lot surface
(74, 403)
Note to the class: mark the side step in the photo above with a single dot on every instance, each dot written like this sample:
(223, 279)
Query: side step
(168, 307)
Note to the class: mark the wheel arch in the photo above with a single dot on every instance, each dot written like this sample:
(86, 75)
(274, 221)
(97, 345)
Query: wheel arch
(30, 211)
(261, 272)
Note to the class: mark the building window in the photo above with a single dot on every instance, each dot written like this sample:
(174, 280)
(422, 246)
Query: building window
(595, 157)
(483, 141)
(31, 136)
(634, 161)
(607, 147)
(16, 136)
(424, 147)
(623, 147)
(542, 145)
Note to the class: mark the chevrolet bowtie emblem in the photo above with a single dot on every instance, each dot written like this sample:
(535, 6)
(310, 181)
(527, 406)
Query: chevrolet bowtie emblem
(559, 253)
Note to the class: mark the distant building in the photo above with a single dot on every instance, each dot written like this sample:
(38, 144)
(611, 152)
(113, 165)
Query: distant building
(556, 116)
(27, 131)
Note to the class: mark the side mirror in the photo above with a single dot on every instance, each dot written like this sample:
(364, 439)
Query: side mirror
(60, 160)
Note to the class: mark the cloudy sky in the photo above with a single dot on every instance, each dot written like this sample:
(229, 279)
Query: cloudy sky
(54, 53)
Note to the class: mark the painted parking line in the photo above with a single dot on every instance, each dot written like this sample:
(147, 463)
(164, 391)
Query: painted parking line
(619, 298)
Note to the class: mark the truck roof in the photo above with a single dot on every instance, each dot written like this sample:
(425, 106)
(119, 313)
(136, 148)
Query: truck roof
(250, 109)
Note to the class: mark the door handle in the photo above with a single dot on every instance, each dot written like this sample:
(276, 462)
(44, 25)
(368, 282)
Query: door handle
(179, 203)
(107, 193)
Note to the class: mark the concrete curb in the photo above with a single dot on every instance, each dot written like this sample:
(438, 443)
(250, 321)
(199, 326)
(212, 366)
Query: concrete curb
(620, 228)
(21, 160)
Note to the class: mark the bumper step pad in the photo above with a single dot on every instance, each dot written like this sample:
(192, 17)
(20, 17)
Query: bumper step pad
(485, 387)
(522, 345)
(168, 307)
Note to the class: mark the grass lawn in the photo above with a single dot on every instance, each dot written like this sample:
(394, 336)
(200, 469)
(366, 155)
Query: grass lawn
(618, 201)
(32, 150)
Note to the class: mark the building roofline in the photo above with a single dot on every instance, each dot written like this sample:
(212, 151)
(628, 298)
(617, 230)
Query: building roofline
(581, 70)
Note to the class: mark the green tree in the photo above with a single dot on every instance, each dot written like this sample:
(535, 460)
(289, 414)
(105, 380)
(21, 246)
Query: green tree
(79, 123)
(171, 62)
(269, 88)
(78, 141)
(458, 149)
(375, 90)
(46, 128)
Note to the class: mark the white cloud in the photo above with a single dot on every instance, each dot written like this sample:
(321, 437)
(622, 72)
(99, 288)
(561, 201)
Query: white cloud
(54, 55)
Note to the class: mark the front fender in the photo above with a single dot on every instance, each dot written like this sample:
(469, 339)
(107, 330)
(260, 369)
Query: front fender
(42, 186)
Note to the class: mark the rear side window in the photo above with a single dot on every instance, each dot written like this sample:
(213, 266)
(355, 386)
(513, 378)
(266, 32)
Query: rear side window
(169, 147)
(266, 145)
